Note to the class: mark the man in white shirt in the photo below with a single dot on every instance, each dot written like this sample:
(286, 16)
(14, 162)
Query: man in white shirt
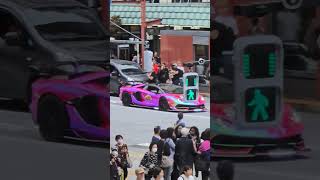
(147, 64)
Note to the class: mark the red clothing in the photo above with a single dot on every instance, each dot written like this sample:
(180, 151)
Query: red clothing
(156, 68)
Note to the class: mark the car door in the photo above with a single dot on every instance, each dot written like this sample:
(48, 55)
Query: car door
(114, 80)
(150, 95)
(17, 52)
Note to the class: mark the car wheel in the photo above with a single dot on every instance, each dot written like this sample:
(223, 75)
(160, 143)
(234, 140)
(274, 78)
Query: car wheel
(164, 105)
(126, 99)
(52, 118)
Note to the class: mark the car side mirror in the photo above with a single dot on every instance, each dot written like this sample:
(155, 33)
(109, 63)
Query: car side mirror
(12, 39)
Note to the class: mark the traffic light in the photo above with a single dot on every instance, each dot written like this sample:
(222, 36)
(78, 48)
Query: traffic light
(191, 86)
(258, 80)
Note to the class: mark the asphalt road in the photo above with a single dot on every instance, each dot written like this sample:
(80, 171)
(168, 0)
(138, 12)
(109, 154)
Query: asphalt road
(136, 124)
(285, 168)
(24, 155)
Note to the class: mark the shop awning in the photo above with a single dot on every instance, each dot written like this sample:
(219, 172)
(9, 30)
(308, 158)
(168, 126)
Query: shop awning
(173, 14)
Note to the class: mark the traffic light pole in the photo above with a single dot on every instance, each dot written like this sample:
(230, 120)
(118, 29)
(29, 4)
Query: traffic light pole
(143, 29)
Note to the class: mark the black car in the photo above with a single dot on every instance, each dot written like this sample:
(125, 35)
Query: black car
(125, 72)
(35, 35)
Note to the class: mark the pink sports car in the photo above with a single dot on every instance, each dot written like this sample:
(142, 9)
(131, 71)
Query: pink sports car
(165, 97)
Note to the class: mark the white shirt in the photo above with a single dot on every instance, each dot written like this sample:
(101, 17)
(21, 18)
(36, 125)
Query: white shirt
(148, 60)
(183, 177)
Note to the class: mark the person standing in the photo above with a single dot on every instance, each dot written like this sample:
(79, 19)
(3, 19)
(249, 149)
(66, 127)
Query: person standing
(156, 57)
(185, 150)
(114, 166)
(147, 64)
(163, 75)
(150, 160)
(180, 121)
(156, 134)
(177, 74)
(204, 151)
(169, 142)
(122, 149)
(160, 144)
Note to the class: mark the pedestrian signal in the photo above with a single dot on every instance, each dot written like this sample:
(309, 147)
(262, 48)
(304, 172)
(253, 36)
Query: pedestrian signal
(259, 61)
(260, 104)
(191, 86)
(191, 94)
(191, 81)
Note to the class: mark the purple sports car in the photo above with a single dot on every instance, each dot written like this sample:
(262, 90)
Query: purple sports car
(73, 106)
(166, 97)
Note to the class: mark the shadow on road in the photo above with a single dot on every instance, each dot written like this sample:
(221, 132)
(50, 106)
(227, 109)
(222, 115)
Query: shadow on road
(13, 105)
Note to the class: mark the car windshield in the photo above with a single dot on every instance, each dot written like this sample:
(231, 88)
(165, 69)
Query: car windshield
(172, 89)
(65, 24)
(79, 69)
(131, 69)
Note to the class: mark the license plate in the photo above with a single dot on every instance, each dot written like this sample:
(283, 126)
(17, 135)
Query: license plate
(197, 110)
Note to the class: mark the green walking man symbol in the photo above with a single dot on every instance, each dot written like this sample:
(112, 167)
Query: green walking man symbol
(260, 104)
(190, 95)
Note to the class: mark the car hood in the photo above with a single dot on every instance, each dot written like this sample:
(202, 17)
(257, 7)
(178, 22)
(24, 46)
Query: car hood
(138, 78)
(84, 50)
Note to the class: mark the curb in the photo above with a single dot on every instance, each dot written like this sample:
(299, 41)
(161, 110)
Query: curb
(307, 105)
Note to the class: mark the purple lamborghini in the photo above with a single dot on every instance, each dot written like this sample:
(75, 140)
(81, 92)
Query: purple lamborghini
(166, 97)
(74, 105)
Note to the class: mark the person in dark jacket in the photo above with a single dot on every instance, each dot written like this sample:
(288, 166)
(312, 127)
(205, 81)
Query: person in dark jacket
(163, 75)
(150, 160)
(185, 150)
(160, 144)
(156, 135)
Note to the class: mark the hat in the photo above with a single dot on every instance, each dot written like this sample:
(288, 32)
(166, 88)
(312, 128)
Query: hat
(139, 171)
(174, 64)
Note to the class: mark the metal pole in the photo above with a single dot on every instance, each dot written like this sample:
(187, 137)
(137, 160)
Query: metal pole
(104, 13)
(143, 29)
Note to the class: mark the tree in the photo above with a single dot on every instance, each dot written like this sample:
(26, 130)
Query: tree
(114, 30)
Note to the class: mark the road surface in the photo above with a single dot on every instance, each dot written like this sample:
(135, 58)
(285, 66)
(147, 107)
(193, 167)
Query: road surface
(24, 155)
(286, 168)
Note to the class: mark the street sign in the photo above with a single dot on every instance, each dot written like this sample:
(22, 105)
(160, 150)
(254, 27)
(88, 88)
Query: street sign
(191, 86)
(258, 79)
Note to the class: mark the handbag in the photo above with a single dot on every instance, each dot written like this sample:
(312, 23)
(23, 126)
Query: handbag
(129, 162)
(166, 162)
(201, 164)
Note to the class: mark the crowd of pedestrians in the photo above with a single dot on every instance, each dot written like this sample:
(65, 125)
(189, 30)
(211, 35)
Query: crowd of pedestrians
(161, 73)
(174, 153)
